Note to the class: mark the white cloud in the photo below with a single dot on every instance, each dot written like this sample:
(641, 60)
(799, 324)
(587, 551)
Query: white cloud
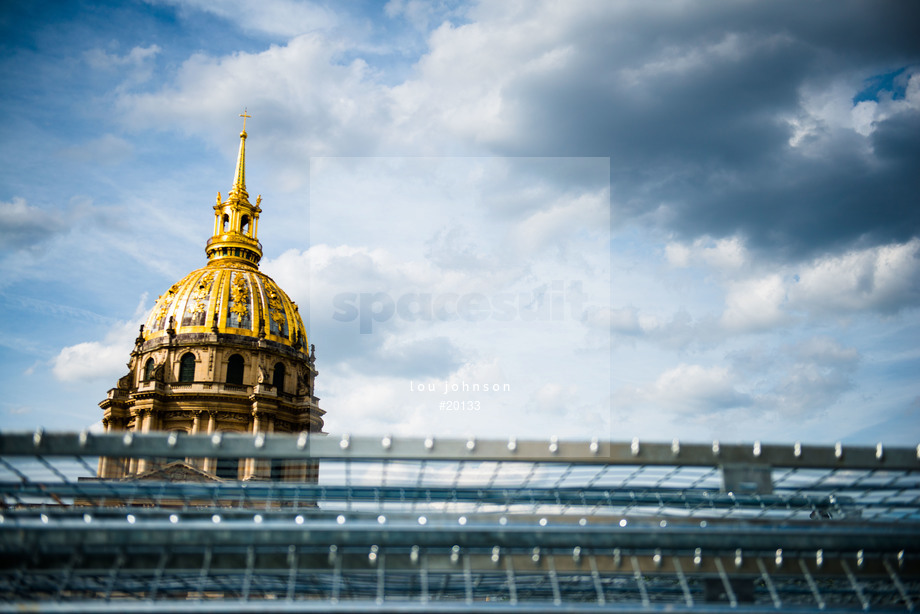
(556, 225)
(138, 64)
(96, 359)
(726, 254)
(828, 109)
(807, 378)
(885, 279)
(755, 304)
(306, 103)
(104, 360)
(688, 389)
(103, 60)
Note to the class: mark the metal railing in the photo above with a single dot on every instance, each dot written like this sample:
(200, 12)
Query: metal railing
(433, 524)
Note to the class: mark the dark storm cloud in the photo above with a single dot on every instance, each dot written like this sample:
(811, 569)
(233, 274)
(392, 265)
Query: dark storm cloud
(692, 103)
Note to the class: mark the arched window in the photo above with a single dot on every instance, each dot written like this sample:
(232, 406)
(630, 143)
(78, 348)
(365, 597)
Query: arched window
(235, 370)
(187, 368)
(149, 366)
(244, 224)
(278, 377)
(226, 222)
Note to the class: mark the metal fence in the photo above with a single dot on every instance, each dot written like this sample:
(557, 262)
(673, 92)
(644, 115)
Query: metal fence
(451, 525)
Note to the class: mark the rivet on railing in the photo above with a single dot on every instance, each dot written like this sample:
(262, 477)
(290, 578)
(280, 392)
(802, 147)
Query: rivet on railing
(594, 447)
(819, 558)
(675, 447)
(715, 447)
(634, 446)
(471, 444)
(879, 451)
(496, 554)
(302, 441)
(37, 437)
(345, 442)
(429, 443)
(779, 558)
(512, 444)
(413, 555)
(386, 442)
(127, 439)
(797, 449)
(553, 444)
(739, 558)
(757, 449)
(838, 450)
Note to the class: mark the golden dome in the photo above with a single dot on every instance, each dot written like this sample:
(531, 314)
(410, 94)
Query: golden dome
(230, 295)
(229, 298)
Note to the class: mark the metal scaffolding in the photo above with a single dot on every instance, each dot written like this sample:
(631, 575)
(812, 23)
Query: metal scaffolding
(454, 524)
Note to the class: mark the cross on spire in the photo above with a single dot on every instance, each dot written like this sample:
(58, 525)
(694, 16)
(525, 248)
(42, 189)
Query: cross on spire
(245, 116)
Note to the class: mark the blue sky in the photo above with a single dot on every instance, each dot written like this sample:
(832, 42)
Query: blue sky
(671, 219)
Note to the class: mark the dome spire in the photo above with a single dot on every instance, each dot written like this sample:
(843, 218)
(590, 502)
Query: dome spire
(236, 220)
(239, 178)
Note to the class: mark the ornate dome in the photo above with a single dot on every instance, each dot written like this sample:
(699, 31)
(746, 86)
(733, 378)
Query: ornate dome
(230, 298)
(230, 295)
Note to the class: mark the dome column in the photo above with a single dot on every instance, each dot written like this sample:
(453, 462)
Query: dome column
(210, 464)
(262, 422)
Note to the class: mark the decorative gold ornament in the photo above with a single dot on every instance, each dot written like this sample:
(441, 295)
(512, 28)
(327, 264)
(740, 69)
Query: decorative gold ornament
(200, 296)
(276, 309)
(239, 296)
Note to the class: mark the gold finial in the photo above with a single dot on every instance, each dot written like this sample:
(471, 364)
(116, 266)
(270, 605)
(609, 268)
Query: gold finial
(245, 116)
(218, 199)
